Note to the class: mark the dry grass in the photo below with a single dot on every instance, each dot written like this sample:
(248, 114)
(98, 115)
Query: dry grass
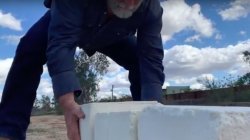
(49, 127)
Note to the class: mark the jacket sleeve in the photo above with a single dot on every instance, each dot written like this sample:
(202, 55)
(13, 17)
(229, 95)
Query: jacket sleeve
(151, 52)
(64, 32)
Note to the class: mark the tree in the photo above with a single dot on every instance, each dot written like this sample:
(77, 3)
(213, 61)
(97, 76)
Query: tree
(225, 82)
(45, 103)
(229, 81)
(89, 71)
(122, 98)
(108, 99)
(36, 107)
(245, 79)
(246, 57)
(125, 98)
(36, 104)
(56, 107)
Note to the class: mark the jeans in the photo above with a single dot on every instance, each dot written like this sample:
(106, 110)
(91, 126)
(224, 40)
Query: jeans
(24, 76)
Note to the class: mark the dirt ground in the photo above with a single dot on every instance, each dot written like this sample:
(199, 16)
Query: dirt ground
(50, 127)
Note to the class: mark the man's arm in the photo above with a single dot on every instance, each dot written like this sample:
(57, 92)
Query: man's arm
(72, 114)
(151, 52)
(64, 32)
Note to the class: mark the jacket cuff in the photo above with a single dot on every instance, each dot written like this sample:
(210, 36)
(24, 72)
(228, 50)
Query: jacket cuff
(64, 83)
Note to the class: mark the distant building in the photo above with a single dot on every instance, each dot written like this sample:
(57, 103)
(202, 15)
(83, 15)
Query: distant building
(175, 89)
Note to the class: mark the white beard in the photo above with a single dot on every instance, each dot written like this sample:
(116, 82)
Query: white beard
(117, 9)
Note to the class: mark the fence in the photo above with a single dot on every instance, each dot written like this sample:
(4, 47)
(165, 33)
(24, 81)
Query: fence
(239, 96)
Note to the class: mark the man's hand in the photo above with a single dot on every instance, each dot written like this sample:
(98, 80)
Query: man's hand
(72, 114)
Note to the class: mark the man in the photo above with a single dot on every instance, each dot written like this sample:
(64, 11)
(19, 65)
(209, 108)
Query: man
(107, 26)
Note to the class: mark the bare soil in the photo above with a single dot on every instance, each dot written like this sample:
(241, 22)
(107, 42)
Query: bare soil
(48, 127)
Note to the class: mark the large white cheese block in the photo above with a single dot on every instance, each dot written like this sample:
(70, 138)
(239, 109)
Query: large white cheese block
(194, 123)
(87, 125)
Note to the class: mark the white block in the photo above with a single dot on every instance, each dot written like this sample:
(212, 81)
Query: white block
(116, 126)
(194, 123)
(90, 110)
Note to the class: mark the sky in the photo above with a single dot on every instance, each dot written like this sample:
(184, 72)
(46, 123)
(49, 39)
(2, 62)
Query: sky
(201, 38)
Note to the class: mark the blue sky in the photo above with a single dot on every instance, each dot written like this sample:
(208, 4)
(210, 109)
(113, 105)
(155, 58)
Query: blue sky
(202, 38)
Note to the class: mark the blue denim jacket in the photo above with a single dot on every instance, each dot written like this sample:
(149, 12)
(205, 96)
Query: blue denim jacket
(83, 23)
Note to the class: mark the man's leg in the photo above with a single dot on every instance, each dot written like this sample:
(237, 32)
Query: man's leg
(151, 71)
(22, 81)
(124, 53)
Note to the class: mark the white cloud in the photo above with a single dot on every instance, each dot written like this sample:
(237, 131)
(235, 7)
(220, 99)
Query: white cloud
(113, 68)
(183, 63)
(45, 88)
(121, 86)
(120, 80)
(7, 20)
(237, 10)
(193, 38)
(5, 65)
(243, 33)
(45, 70)
(179, 16)
(165, 85)
(207, 76)
(165, 38)
(218, 36)
(116, 76)
(191, 80)
(118, 92)
(197, 86)
(11, 39)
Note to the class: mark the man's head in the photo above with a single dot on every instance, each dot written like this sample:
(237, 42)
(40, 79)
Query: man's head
(123, 8)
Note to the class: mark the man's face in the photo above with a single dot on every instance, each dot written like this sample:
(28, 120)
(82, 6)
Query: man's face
(124, 8)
